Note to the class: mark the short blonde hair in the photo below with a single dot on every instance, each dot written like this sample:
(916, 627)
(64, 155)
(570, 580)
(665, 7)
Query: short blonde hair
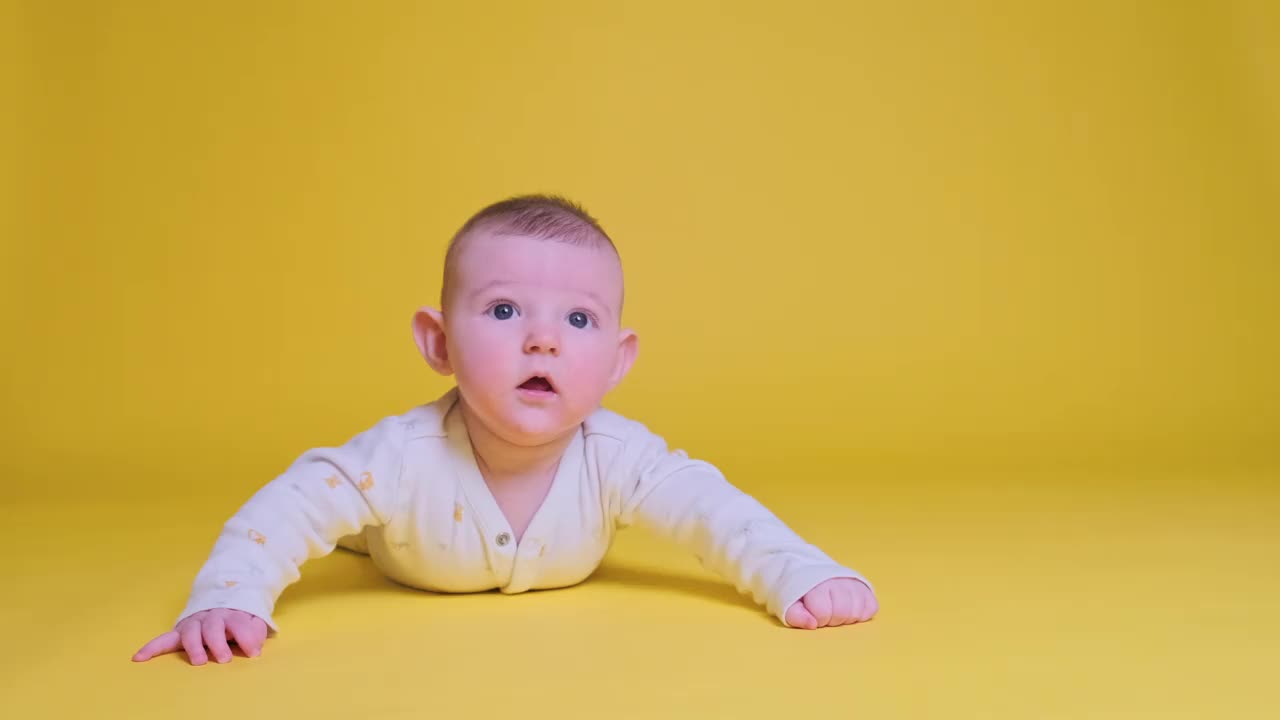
(548, 217)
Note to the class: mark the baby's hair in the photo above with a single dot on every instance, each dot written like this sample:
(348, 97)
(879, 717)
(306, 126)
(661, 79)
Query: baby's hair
(548, 217)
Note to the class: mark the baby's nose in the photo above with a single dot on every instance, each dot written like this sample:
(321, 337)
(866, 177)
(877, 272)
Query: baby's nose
(542, 342)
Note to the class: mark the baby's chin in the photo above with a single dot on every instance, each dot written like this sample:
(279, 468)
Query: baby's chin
(530, 422)
(530, 426)
(527, 437)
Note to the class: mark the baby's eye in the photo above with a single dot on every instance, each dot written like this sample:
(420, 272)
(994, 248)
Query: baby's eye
(579, 319)
(503, 311)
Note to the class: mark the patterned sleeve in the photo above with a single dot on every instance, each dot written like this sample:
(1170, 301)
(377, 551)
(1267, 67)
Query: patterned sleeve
(327, 493)
(691, 503)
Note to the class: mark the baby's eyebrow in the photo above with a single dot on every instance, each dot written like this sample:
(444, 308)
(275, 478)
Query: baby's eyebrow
(486, 288)
(600, 303)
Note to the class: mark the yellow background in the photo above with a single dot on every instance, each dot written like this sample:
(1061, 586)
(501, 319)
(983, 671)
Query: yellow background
(979, 297)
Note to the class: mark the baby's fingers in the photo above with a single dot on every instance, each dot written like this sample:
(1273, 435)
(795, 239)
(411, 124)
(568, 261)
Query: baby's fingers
(215, 636)
(843, 604)
(245, 636)
(870, 607)
(798, 616)
(192, 642)
(165, 643)
(818, 603)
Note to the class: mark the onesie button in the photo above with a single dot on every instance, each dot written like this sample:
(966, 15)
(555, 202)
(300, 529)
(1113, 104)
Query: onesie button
(503, 538)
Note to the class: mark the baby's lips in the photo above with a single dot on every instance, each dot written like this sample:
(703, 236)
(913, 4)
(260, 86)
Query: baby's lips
(546, 378)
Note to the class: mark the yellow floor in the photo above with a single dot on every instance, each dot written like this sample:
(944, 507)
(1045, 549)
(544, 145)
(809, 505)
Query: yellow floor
(1009, 595)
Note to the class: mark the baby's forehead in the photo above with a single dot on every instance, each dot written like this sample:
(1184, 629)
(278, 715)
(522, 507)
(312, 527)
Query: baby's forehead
(494, 260)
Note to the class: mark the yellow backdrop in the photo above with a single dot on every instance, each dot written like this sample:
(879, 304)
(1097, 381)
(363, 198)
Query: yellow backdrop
(1000, 279)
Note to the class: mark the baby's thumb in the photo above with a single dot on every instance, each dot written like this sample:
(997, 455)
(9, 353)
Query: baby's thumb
(798, 616)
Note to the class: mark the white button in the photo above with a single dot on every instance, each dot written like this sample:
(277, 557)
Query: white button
(503, 538)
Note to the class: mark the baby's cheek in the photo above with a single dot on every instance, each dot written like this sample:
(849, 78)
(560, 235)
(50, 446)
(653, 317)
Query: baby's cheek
(593, 374)
(482, 364)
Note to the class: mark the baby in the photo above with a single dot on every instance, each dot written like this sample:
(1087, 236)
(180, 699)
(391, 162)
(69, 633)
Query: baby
(516, 478)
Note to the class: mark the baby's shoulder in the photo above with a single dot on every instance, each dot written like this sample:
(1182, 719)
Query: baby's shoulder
(606, 426)
(427, 419)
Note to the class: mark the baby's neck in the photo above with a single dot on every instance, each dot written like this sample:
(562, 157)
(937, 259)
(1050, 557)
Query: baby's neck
(502, 462)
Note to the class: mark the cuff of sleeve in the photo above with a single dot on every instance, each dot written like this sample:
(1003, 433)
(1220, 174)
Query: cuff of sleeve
(805, 580)
(243, 600)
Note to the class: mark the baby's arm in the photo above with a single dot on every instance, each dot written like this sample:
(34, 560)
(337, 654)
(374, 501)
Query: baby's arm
(327, 493)
(690, 502)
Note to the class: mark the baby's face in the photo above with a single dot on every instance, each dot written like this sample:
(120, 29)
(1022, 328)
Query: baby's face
(525, 308)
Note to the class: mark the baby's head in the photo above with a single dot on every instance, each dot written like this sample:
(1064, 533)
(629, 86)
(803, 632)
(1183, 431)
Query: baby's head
(530, 318)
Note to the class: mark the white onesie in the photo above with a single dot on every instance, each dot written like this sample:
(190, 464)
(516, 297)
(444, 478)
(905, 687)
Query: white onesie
(408, 491)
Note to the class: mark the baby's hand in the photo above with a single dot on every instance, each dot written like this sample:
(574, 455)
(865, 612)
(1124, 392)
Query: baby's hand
(839, 601)
(212, 628)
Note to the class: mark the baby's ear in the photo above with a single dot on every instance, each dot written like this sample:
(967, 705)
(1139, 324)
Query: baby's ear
(428, 333)
(628, 349)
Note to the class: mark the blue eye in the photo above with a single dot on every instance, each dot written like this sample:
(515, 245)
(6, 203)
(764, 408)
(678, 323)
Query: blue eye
(579, 319)
(503, 311)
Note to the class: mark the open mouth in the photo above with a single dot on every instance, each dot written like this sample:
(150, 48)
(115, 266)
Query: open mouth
(537, 383)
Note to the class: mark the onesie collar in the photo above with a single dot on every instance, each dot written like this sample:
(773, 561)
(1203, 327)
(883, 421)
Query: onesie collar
(429, 420)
